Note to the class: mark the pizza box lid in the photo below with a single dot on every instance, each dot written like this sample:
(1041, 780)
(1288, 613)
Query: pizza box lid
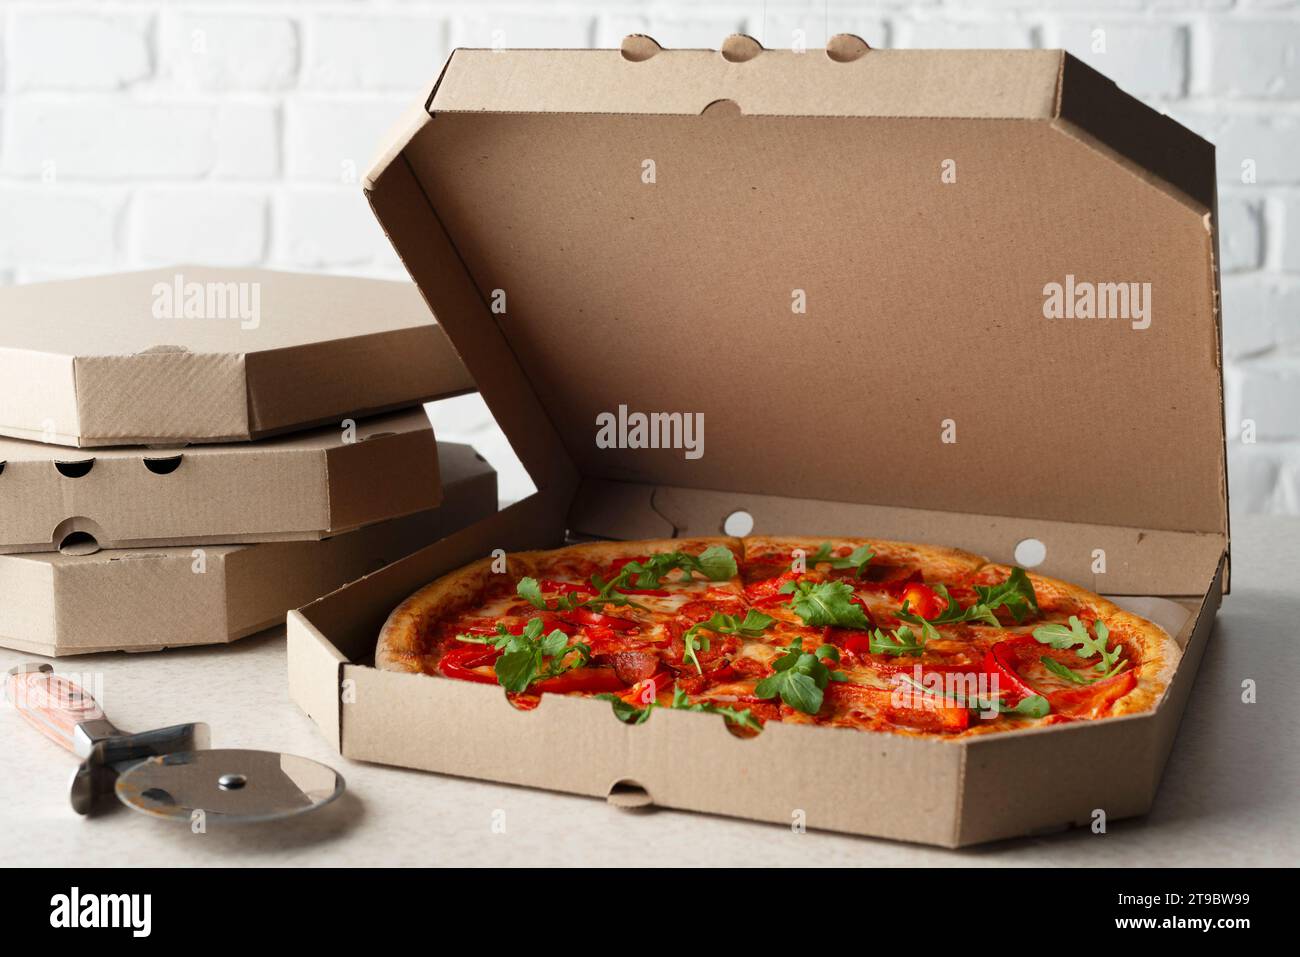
(197, 354)
(302, 486)
(867, 272)
(145, 599)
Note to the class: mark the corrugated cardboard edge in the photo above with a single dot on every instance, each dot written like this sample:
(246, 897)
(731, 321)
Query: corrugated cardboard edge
(173, 394)
(408, 463)
(374, 385)
(58, 411)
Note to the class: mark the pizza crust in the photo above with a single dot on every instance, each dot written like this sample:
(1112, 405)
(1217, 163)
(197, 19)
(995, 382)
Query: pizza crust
(936, 561)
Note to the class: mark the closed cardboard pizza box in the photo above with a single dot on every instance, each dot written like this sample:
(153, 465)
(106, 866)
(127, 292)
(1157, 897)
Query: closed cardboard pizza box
(306, 485)
(198, 354)
(145, 599)
(960, 297)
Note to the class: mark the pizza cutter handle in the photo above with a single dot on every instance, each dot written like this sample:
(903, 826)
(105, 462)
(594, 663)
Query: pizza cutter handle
(57, 707)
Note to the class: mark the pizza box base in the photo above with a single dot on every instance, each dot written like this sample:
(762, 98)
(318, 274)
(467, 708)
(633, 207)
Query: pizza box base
(946, 793)
(146, 599)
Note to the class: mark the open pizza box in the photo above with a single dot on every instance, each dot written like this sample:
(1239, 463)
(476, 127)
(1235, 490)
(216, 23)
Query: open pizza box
(198, 354)
(301, 486)
(146, 599)
(844, 261)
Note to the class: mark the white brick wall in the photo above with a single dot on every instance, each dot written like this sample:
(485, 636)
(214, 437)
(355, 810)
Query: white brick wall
(234, 131)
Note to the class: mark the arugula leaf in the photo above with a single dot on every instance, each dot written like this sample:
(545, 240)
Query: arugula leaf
(1035, 706)
(856, 559)
(800, 677)
(753, 626)
(524, 657)
(531, 591)
(928, 631)
(715, 563)
(901, 641)
(1075, 634)
(625, 711)
(498, 640)
(1016, 594)
(631, 714)
(1061, 671)
(953, 613)
(825, 603)
(744, 719)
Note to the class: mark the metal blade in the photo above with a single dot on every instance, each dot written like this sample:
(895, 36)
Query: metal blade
(230, 785)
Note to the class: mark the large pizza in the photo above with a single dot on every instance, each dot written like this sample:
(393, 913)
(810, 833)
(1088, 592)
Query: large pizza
(860, 633)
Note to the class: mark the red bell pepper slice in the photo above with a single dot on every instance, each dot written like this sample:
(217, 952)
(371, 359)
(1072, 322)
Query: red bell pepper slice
(580, 679)
(850, 639)
(460, 662)
(1000, 663)
(922, 600)
(1093, 700)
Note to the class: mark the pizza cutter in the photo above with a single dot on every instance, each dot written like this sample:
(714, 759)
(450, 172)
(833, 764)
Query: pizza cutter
(168, 772)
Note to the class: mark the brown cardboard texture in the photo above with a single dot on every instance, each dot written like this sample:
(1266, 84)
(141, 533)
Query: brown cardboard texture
(307, 485)
(144, 599)
(869, 274)
(196, 354)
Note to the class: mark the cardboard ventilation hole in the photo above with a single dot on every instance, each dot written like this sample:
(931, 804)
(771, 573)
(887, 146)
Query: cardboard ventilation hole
(629, 796)
(923, 199)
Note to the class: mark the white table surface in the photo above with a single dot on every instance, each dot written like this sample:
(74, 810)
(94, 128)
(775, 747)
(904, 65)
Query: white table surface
(1230, 794)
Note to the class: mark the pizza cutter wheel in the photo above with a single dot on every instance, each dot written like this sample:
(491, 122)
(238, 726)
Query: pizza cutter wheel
(168, 772)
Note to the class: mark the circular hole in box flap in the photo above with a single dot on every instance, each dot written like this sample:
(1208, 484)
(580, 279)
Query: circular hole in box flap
(637, 47)
(75, 469)
(78, 543)
(740, 47)
(846, 47)
(1030, 553)
(629, 795)
(2, 468)
(738, 524)
(163, 465)
(77, 536)
(722, 109)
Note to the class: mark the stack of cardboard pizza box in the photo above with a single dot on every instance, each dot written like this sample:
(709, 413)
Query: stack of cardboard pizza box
(187, 453)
